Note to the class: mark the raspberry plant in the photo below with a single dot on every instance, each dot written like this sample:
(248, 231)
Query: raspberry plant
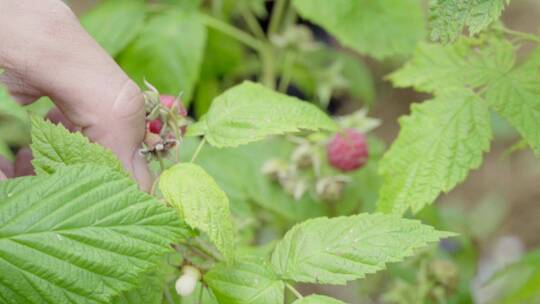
(247, 203)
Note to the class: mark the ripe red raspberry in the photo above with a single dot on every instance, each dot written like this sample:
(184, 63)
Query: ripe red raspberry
(154, 126)
(169, 101)
(348, 150)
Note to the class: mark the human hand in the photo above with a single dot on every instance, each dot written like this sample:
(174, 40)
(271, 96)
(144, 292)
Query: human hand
(46, 52)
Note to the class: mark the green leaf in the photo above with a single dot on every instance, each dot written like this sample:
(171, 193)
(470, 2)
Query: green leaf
(250, 112)
(168, 52)
(337, 250)
(9, 107)
(379, 28)
(81, 235)
(521, 281)
(317, 299)
(54, 147)
(439, 143)
(449, 17)
(435, 67)
(200, 202)
(515, 96)
(250, 281)
(115, 23)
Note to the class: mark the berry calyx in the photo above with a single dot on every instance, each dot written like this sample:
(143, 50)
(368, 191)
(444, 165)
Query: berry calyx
(347, 151)
(170, 101)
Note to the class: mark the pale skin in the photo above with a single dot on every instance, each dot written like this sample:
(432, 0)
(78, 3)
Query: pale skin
(44, 51)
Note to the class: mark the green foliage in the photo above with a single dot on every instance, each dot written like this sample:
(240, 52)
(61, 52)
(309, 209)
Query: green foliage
(115, 23)
(317, 299)
(248, 281)
(449, 17)
(515, 96)
(9, 107)
(466, 63)
(54, 147)
(521, 281)
(168, 52)
(200, 202)
(437, 146)
(337, 250)
(83, 235)
(250, 112)
(378, 28)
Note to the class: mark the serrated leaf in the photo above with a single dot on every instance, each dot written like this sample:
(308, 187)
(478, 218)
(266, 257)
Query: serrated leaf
(378, 28)
(436, 67)
(81, 235)
(515, 96)
(438, 144)
(54, 147)
(250, 281)
(250, 112)
(168, 53)
(317, 299)
(200, 202)
(337, 250)
(115, 23)
(449, 17)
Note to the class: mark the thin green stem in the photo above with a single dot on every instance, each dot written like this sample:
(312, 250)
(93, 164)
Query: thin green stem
(168, 296)
(297, 294)
(154, 186)
(268, 77)
(253, 24)
(233, 32)
(288, 62)
(520, 35)
(199, 148)
(278, 12)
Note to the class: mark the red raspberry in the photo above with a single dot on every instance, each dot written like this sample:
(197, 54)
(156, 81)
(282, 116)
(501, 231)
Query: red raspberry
(347, 151)
(155, 126)
(169, 101)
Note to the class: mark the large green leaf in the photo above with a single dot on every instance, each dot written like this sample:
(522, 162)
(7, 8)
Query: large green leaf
(81, 235)
(54, 147)
(515, 95)
(438, 144)
(337, 250)
(250, 112)
(115, 23)
(168, 52)
(449, 17)
(250, 281)
(317, 299)
(379, 28)
(200, 202)
(435, 67)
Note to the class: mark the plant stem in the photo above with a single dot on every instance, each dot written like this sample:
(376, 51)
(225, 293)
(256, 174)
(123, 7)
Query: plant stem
(154, 186)
(199, 148)
(297, 294)
(233, 32)
(277, 15)
(168, 296)
(253, 24)
(268, 67)
(288, 61)
(521, 35)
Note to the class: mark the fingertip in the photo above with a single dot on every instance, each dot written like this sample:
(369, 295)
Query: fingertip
(141, 172)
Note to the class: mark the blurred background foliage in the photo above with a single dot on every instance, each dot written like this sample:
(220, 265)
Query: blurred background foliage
(186, 46)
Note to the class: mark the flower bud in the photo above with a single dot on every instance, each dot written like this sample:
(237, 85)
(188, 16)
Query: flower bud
(330, 189)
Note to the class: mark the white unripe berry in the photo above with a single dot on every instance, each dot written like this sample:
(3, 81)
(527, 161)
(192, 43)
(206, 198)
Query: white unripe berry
(187, 282)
